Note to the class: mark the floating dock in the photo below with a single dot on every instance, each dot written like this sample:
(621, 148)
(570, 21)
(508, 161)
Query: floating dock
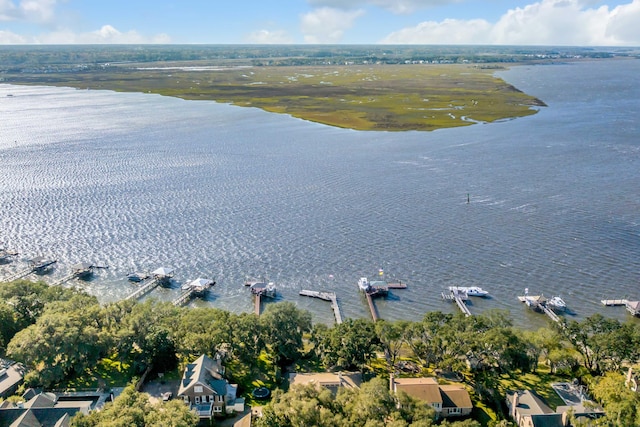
(326, 296)
(459, 297)
(614, 302)
(632, 307)
(160, 276)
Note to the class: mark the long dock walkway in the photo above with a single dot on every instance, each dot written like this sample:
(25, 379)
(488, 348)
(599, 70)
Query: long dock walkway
(546, 310)
(65, 279)
(326, 296)
(184, 298)
(38, 264)
(372, 307)
(459, 298)
(256, 303)
(145, 289)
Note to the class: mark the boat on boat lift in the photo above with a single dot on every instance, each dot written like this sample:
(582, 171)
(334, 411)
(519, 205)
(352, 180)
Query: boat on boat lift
(557, 304)
(471, 291)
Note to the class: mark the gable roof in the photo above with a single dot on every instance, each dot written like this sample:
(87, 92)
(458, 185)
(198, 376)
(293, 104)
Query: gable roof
(425, 389)
(455, 396)
(206, 372)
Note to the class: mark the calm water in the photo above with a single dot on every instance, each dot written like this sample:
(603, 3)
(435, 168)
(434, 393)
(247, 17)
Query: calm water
(140, 181)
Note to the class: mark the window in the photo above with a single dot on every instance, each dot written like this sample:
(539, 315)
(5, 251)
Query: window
(197, 400)
(455, 410)
(197, 389)
(217, 409)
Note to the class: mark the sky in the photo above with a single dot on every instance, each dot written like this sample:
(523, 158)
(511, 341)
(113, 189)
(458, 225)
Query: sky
(489, 22)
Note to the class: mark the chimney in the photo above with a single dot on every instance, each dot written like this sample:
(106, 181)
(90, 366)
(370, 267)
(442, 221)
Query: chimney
(514, 404)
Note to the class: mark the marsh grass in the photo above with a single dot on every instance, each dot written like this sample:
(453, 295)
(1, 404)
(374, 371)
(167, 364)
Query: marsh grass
(366, 97)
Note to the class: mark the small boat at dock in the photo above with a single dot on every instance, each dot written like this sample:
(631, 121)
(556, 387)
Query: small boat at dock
(471, 291)
(137, 277)
(557, 304)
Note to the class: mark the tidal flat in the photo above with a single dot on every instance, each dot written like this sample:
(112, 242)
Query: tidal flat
(381, 97)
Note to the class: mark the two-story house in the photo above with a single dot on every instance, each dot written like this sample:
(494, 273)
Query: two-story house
(204, 388)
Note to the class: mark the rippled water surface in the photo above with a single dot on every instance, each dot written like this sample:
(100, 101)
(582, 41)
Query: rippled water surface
(140, 181)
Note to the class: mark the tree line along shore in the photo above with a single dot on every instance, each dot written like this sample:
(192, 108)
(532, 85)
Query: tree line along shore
(66, 340)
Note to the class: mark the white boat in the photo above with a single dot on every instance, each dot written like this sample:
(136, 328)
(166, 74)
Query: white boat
(557, 304)
(363, 284)
(472, 291)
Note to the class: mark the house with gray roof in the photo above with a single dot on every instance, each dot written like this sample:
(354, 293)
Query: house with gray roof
(204, 389)
(11, 376)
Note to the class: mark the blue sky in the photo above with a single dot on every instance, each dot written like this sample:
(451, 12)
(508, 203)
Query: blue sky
(507, 22)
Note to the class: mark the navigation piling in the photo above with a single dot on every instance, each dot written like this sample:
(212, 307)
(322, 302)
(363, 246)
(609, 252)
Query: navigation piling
(326, 296)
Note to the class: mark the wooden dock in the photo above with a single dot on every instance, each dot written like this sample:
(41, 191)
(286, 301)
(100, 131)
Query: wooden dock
(326, 296)
(614, 302)
(184, 298)
(372, 307)
(144, 289)
(459, 298)
(256, 303)
(36, 265)
(538, 303)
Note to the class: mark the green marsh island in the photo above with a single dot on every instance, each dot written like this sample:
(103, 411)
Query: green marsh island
(360, 88)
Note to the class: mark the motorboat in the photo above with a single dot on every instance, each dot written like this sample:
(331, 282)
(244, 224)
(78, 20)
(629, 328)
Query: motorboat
(137, 277)
(471, 291)
(363, 284)
(557, 304)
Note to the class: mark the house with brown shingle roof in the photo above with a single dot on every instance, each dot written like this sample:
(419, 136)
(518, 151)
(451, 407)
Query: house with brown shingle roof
(330, 380)
(448, 400)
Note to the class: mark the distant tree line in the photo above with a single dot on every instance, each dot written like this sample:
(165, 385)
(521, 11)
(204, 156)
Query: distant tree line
(16, 59)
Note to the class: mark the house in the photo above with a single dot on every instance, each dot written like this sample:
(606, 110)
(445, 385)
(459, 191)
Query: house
(448, 400)
(204, 388)
(330, 380)
(42, 410)
(529, 410)
(11, 376)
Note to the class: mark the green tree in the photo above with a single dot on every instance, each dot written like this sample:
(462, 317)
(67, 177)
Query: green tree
(283, 325)
(621, 404)
(64, 341)
(133, 409)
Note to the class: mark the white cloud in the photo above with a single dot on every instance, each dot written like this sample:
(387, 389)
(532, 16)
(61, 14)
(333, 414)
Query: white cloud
(327, 25)
(396, 6)
(41, 11)
(7, 37)
(105, 35)
(269, 37)
(548, 22)
(449, 31)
